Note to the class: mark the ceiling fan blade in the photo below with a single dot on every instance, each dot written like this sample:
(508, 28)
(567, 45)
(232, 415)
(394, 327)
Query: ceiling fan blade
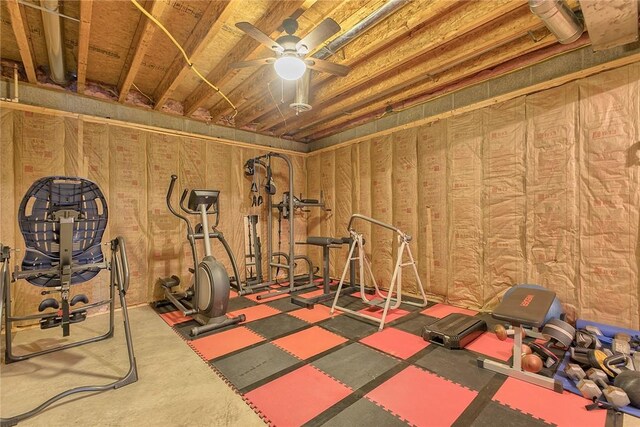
(327, 67)
(322, 32)
(253, 63)
(259, 36)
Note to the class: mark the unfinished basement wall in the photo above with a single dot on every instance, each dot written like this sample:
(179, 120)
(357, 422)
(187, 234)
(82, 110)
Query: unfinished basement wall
(540, 189)
(133, 168)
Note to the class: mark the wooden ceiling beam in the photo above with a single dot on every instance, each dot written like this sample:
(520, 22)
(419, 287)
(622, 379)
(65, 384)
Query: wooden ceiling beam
(391, 31)
(349, 11)
(500, 61)
(86, 8)
(497, 33)
(210, 24)
(139, 46)
(465, 19)
(19, 26)
(223, 73)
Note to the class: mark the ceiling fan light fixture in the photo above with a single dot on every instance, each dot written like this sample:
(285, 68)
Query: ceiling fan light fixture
(290, 67)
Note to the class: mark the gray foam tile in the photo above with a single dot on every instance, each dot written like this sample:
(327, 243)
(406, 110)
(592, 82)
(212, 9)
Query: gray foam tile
(350, 327)
(364, 413)
(459, 366)
(495, 414)
(355, 365)
(414, 325)
(276, 326)
(255, 364)
(238, 303)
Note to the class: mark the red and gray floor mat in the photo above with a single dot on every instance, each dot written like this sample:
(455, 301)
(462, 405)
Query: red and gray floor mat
(296, 366)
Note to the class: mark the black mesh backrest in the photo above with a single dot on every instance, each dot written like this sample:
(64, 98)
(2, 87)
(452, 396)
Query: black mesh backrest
(41, 231)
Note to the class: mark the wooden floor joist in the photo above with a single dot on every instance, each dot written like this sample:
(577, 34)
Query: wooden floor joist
(19, 30)
(86, 8)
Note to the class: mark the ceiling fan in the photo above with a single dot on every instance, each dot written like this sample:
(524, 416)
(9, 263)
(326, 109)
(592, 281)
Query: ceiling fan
(290, 62)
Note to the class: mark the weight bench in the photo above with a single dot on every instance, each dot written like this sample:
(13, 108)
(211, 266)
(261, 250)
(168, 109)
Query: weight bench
(523, 307)
(327, 243)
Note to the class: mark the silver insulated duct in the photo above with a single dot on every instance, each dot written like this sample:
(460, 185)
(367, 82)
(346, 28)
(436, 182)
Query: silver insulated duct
(53, 39)
(300, 103)
(559, 19)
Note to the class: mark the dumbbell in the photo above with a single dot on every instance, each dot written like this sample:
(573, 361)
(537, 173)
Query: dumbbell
(615, 396)
(587, 387)
(503, 333)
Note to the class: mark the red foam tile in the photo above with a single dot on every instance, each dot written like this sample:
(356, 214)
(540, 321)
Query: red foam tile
(225, 342)
(174, 317)
(309, 342)
(297, 397)
(396, 342)
(369, 296)
(312, 294)
(392, 314)
(566, 409)
(443, 310)
(489, 345)
(422, 398)
(255, 312)
(318, 313)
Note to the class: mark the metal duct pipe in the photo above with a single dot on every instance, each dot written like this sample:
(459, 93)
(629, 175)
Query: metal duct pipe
(53, 39)
(301, 100)
(559, 19)
(387, 9)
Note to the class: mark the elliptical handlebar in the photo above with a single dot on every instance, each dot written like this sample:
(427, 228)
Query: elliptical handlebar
(172, 184)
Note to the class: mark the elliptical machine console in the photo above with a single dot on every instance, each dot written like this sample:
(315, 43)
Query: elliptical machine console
(208, 297)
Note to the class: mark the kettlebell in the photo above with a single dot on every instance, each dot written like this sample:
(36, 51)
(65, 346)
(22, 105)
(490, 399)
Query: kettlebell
(629, 381)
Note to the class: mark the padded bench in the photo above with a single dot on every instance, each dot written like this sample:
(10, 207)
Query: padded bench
(523, 307)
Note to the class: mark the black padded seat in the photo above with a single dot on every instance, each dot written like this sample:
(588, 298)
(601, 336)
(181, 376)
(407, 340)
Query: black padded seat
(525, 306)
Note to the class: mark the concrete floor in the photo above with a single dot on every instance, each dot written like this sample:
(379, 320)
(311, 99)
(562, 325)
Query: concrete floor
(175, 386)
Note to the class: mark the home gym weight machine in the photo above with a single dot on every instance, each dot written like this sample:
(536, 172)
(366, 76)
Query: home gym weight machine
(62, 220)
(357, 253)
(207, 298)
(286, 209)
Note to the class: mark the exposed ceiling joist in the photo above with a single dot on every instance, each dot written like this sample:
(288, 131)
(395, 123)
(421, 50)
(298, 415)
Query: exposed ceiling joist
(86, 8)
(497, 33)
(24, 45)
(469, 17)
(222, 72)
(500, 61)
(213, 19)
(144, 33)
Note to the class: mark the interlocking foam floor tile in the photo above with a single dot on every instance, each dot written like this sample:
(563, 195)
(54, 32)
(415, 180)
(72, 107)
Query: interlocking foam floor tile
(395, 342)
(311, 294)
(254, 297)
(309, 342)
(217, 345)
(297, 397)
(364, 413)
(317, 314)
(350, 327)
(255, 312)
(355, 365)
(495, 414)
(415, 324)
(443, 310)
(566, 409)
(392, 314)
(276, 326)
(239, 303)
(489, 345)
(422, 398)
(254, 364)
(284, 305)
(174, 317)
(458, 366)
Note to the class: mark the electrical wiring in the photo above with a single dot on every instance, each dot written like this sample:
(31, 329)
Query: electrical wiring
(184, 54)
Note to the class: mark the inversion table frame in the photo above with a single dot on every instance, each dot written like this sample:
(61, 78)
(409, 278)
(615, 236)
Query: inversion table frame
(395, 286)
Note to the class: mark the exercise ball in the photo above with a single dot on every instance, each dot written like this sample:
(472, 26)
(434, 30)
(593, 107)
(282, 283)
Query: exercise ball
(555, 311)
(629, 381)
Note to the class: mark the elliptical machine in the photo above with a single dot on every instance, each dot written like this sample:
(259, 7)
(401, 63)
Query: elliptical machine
(207, 298)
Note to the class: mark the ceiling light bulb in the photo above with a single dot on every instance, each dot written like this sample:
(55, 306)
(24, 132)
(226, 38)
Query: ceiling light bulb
(290, 67)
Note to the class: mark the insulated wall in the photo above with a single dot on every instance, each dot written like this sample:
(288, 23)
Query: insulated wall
(133, 166)
(540, 189)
